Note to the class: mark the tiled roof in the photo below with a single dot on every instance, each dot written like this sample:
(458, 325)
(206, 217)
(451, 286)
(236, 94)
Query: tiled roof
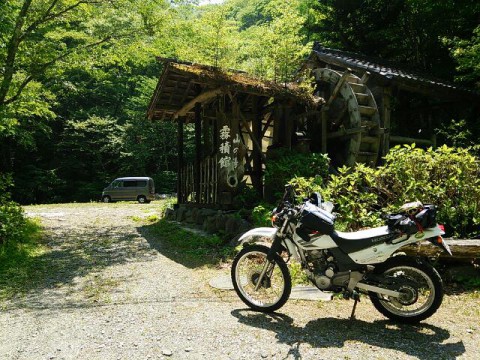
(386, 71)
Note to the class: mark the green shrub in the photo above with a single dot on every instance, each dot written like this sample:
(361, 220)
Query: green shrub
(261, 215)
(306, 186)
(287, 164)
(355, 193)
(12, 220)
(247, 198)
(447, 177)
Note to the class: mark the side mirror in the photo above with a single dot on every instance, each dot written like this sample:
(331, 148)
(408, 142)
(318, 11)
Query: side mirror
(316, 199)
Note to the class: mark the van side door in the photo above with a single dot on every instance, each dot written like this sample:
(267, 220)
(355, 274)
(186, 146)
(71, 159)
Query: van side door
(130, 189)
(116, 190)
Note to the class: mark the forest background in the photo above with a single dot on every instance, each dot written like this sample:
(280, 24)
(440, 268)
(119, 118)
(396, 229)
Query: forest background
(76, 76)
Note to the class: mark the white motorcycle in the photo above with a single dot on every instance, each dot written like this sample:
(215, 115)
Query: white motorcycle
(404, 289)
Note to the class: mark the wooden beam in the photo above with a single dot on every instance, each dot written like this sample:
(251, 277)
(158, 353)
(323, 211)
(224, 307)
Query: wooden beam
(386, 112)
(336, 91)
(409, 140)
(244, 124)
(180, 160)
(269, 119)
(345, 132)
(461, 249)
(204, 96)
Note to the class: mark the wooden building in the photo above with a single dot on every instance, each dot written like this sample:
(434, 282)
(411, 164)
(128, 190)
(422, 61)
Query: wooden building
(356, 109)
(389, 106)
(235, 118)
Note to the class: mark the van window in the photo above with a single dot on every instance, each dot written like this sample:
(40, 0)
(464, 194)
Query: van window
(134, 183)
(117, 184)
(130, 183)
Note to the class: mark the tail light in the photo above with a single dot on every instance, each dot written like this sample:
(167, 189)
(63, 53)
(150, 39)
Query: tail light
(441, 227)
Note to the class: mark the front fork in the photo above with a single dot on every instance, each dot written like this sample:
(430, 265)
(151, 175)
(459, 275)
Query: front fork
(276, 248)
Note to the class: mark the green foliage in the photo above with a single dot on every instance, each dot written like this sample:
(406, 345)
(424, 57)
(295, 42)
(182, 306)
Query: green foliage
(12, 220)
(404, 31)
(299, 277)
(247, 198)
(167, 204)
(355, 195)
(456, 134)
(288, 164)
(261, 215)
(72, 62)
(18, 269)
(190, 246)
(447, 177)
(468, 281)
(165, 182)
(306, 186)
(94, 148)
(467, 55)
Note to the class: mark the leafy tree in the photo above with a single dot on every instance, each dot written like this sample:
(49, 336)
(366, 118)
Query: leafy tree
(38, 35)
(467, 55)
(407, 31)
(91, 153)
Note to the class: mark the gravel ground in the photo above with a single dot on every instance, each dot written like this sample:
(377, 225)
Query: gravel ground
(114, 293)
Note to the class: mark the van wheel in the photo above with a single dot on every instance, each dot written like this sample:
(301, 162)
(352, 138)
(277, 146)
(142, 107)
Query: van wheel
(142, 199)
(106, 199)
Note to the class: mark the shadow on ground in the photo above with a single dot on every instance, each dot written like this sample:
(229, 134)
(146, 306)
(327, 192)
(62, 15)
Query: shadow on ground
(332, 332)
(68, 272)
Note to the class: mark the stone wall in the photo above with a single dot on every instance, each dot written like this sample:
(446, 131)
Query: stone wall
(226, 224)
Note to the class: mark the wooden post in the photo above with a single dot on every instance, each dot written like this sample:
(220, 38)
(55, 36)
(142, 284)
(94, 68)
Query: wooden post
(198, 150)
(386, 110)
(257, 152)
(288, 121)
(180, 179)
(277, 124)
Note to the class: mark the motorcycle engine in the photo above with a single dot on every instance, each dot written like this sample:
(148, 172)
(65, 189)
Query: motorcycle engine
(323, 269)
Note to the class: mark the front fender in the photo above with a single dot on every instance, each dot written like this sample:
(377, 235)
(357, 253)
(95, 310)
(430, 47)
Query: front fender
(260, 235)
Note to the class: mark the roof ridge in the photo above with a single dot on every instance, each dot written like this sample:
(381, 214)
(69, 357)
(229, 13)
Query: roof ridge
(385, 68)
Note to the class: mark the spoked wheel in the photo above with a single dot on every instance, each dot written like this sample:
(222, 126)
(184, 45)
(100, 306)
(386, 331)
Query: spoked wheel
(420, 287)
(273, 290)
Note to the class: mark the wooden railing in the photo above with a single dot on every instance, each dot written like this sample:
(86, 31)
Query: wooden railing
(208, 179)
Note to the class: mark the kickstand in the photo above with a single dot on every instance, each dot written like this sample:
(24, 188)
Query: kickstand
(356, 297)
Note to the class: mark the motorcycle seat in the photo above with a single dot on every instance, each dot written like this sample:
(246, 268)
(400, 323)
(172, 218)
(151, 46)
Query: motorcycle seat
(357, 240)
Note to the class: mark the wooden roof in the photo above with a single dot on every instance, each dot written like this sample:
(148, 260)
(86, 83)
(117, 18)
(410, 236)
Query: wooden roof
(388, 74)
(182, 84)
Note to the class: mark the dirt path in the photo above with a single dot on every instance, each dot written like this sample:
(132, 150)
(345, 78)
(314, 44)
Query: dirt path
(111, 292)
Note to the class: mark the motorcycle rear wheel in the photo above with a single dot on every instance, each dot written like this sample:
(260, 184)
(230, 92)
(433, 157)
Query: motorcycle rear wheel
(420, 285)
(275, 287)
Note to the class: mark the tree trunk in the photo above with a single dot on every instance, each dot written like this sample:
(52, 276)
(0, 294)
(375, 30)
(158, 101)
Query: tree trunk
(12, 50)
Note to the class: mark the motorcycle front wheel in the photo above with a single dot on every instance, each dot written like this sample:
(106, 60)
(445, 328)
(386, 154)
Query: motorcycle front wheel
(420, 287)
(269, 294)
